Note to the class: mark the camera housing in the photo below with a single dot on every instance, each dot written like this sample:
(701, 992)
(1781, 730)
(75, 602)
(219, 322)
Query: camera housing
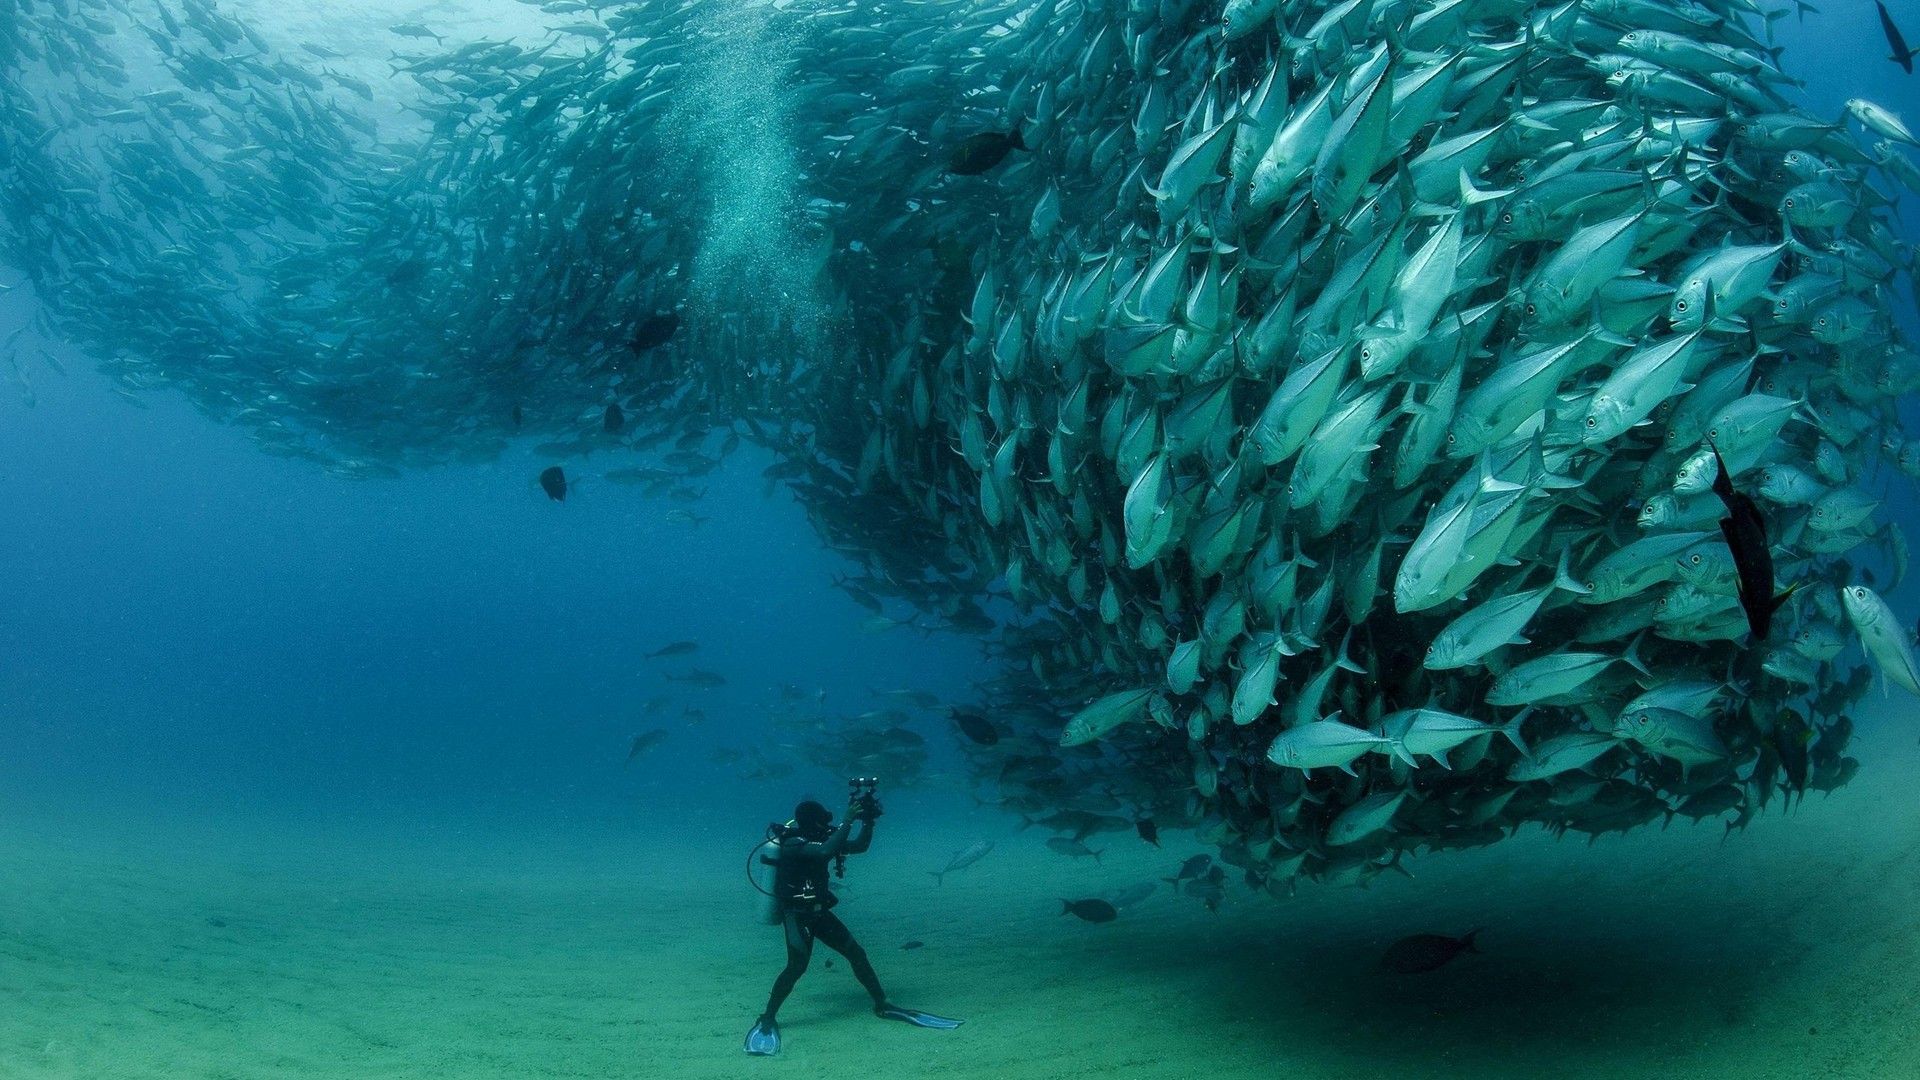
(860, 792)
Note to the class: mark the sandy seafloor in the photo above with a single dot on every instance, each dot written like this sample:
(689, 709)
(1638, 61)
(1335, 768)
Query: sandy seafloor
(235, 949)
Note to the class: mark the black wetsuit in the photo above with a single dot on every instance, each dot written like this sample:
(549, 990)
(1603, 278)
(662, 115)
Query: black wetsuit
(800, 887)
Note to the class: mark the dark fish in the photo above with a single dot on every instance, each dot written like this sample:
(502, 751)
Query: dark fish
(645, 741)
(982, 151)
(1901, 54)
(654, 331)
(1148, 831)
(553, 481)
(519, 417)
(976, 727)
(1746, 533)
(1074, 848)
(1425, 952)
(1192, 868)
(674, 648)
(1712, 802)
(907, 946)
(1090, 910)
(615, 420)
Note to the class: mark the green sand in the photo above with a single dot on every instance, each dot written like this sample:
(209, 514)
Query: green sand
(247, 950)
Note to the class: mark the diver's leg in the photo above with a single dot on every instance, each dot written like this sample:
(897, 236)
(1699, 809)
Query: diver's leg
(828, 928)
(799, 951)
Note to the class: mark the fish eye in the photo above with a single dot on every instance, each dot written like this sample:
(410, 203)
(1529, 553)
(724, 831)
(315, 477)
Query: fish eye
(1449, 438)
(1507, 217)
(1696, 560)
(1789, 203)
(1531, 309)
(1591, 422)
(1679, 305)
(1713, 433)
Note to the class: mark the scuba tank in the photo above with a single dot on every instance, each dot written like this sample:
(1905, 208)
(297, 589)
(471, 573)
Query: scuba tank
(762, 862)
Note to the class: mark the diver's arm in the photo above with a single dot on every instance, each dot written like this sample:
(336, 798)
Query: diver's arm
(863, 841)
(831, 846)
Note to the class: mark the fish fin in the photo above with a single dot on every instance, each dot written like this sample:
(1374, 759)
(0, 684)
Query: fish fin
(1563, 578)
(1343, 660)
(1396, 749)
(1512, 731)
(1474, 196)
(1633, 654)
(1466, 940)
(1774, 604)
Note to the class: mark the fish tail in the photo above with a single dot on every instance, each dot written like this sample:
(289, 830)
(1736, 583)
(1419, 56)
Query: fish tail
(1466, 941)
(939, 876)
(1512, 732)
(1563, 577)
(1019, 141)
(1066, 906)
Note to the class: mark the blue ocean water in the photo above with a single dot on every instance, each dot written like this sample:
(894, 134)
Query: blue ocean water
(200, 639)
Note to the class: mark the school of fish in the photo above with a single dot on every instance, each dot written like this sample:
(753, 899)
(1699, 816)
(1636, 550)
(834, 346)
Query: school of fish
(1345, 397)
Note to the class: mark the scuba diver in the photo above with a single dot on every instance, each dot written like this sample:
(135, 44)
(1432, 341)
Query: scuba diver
(802, 903)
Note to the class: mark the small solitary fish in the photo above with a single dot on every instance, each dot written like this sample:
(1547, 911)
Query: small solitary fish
(414, 30)
(1148, 831)
(614, 420)
(553, 481)
(963, 858)
(645, 741)
(674, 648)
(1090, 910)
(1426, 952)
(908, 946)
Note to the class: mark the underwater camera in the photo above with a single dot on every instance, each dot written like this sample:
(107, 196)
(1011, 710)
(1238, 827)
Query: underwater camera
(860, 793)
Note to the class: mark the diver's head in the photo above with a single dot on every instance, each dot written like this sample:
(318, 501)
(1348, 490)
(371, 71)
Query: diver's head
(813, 820)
